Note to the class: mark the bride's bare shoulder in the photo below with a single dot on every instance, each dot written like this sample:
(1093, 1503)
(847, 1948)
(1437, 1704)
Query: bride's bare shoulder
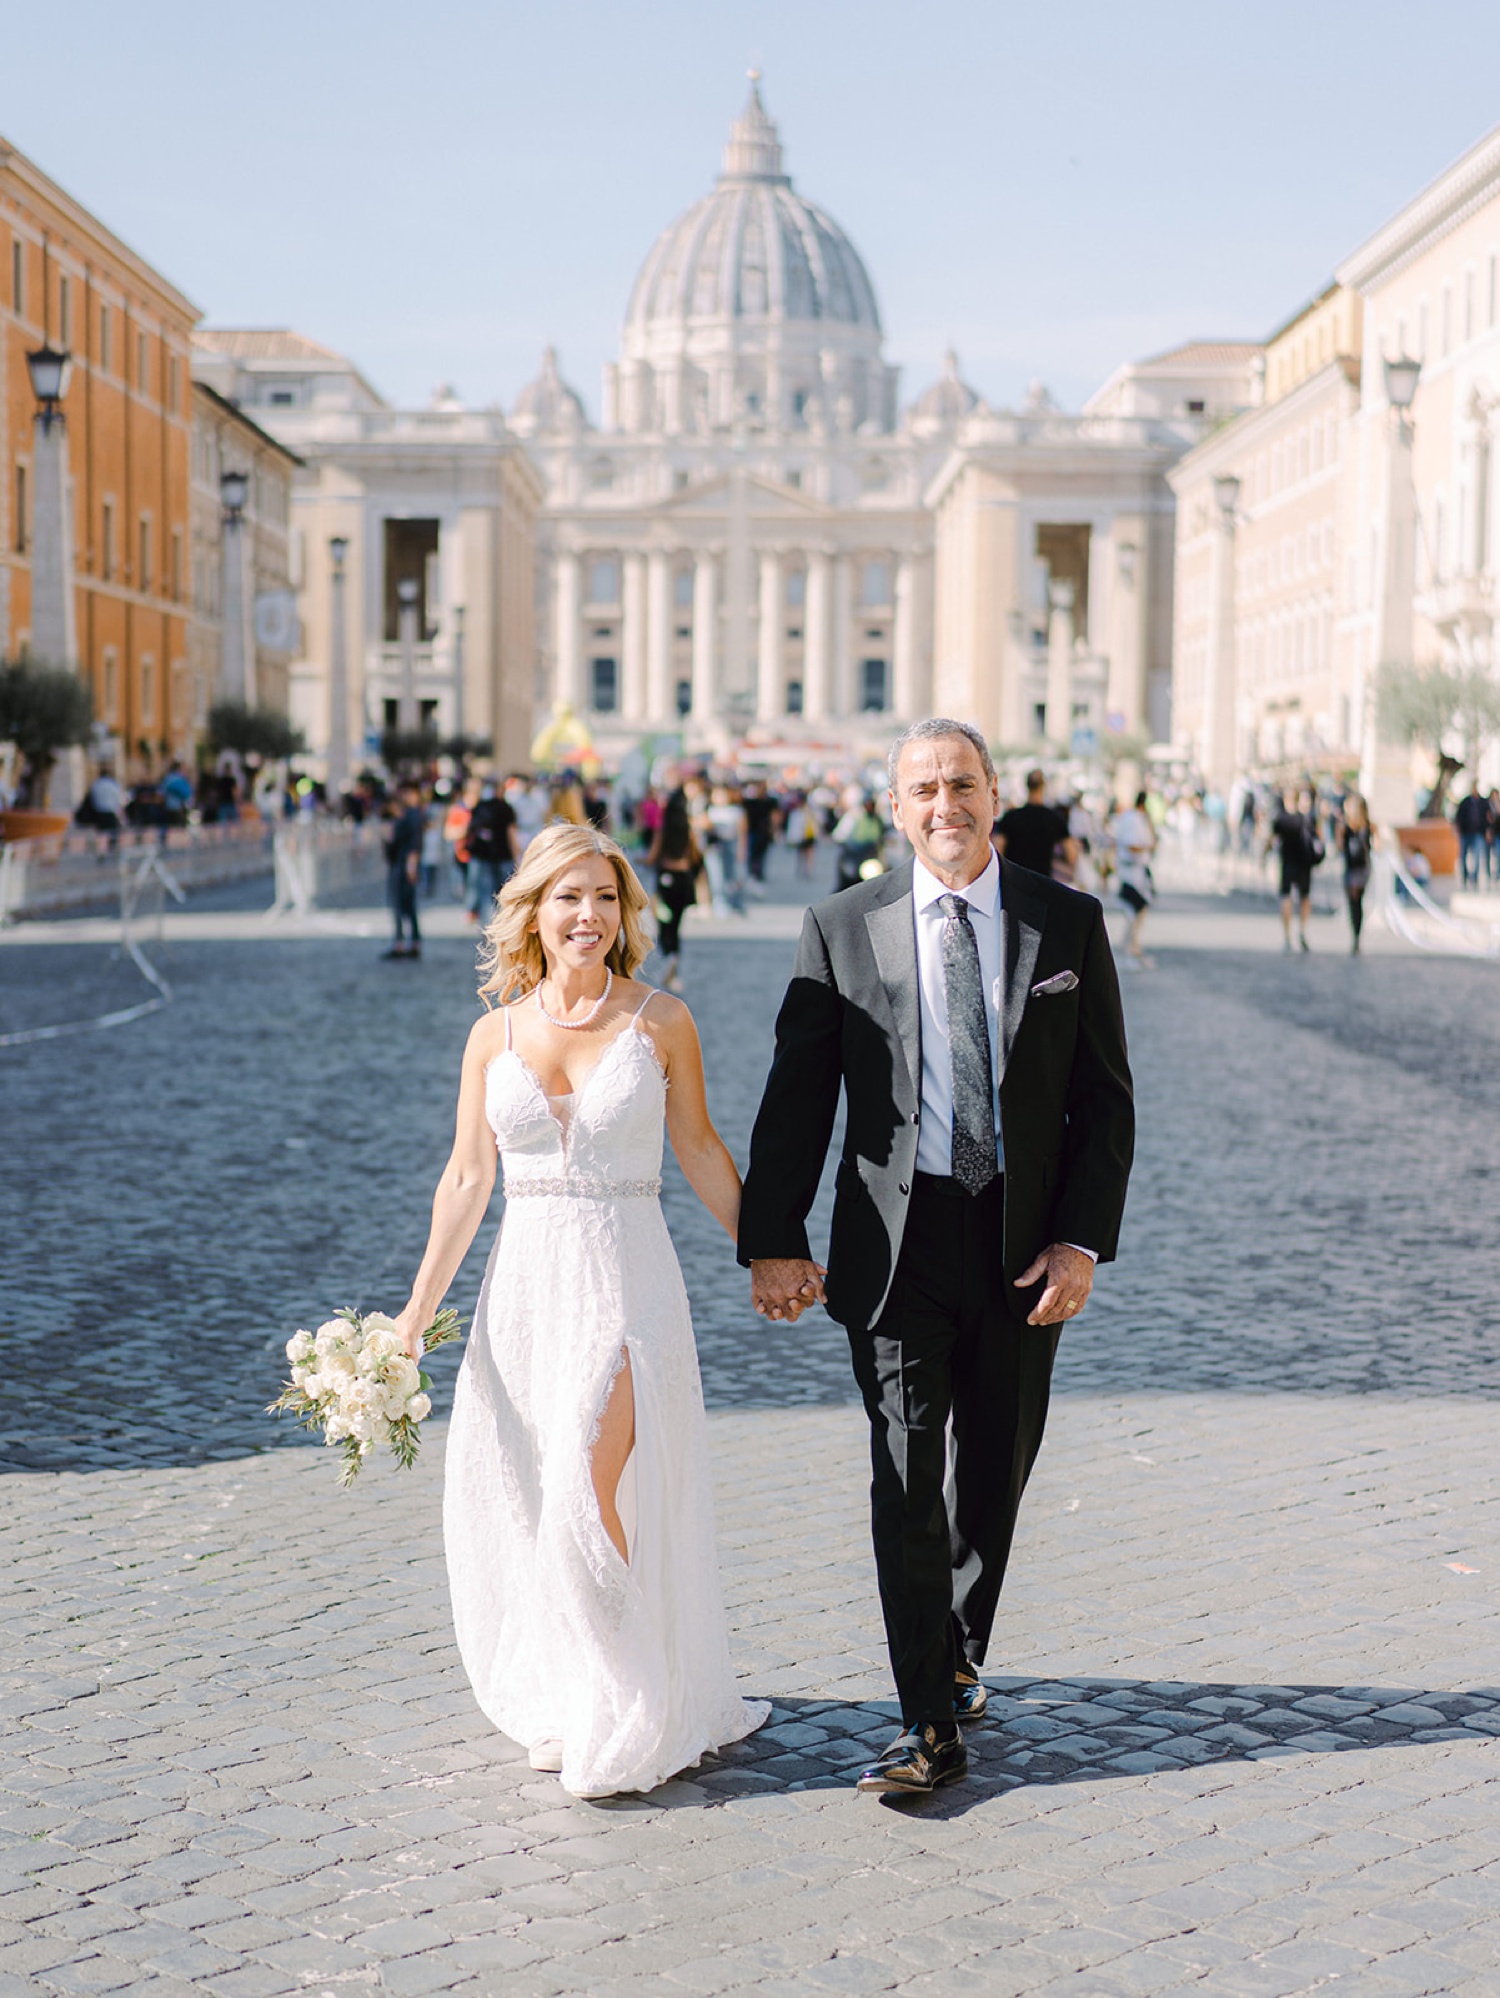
(488, 1036)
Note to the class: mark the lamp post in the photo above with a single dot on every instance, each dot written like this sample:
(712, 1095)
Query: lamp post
(1385, 768)
(1219, 669)
(338, 675)
(237, 650)
(54, 629)
(406, 596)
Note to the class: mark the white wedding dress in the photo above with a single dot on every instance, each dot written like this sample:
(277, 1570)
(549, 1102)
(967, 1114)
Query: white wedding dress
(626, 1665)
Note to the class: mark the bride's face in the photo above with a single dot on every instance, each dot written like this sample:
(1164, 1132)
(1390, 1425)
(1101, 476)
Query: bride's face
(578, 918)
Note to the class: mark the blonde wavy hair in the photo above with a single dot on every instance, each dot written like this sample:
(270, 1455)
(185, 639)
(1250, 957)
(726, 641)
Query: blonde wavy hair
(511, 954)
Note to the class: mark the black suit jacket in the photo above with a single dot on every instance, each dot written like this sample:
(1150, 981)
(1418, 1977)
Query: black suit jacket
(852, 1016)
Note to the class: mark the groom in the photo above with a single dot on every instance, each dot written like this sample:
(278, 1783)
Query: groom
(970, 1009)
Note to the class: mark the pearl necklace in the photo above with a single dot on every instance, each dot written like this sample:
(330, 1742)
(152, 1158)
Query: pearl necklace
(589, 1017)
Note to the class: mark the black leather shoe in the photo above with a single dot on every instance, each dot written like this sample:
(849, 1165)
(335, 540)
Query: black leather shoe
(916, 1764)
(970, 1694)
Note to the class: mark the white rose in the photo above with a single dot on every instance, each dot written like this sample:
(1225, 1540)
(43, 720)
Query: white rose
(336, 1430)
(329, 1337)
(299, 1347)
(311, 1382)
(382, 1343)
(419, 1407)
(337, 1367)
(379, 1321)
(403, 1373)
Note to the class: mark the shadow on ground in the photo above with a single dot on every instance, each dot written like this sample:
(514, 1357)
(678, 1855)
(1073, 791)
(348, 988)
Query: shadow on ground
(1046, 1731)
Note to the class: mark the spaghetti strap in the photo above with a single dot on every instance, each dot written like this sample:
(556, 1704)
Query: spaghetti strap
(635, 1016)
(507, 1028)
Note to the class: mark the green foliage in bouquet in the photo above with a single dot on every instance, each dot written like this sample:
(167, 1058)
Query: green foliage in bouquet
(354, 1380)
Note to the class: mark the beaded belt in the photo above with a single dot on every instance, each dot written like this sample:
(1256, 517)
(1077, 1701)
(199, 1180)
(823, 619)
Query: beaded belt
(585, 1186)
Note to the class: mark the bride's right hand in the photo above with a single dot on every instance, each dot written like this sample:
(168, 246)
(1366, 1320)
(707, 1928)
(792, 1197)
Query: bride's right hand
(411, 1325)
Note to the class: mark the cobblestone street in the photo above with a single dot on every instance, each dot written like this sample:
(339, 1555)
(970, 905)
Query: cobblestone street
(1248, 1665)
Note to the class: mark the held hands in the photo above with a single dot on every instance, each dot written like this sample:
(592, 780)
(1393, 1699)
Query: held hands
(1070, 1278)
(782, 1287)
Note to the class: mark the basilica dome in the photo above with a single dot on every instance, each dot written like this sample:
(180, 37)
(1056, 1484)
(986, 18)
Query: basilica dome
(753, 250)
(547, 403)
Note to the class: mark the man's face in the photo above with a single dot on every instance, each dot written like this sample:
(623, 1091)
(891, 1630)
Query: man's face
(946, 805)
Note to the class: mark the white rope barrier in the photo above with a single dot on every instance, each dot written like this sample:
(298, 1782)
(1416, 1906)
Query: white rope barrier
(134, 882)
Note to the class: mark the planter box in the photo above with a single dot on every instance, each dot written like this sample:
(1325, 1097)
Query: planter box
(1435, 838)
(32, 825)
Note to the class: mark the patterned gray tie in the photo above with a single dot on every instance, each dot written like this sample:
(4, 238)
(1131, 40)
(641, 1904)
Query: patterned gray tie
(974, 1159)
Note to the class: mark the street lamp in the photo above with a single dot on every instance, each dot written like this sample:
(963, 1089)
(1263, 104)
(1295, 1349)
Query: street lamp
(338, 677)
(1401, 377)
(51, 370)
(407, 592)
(236, 651)
(1227, 493)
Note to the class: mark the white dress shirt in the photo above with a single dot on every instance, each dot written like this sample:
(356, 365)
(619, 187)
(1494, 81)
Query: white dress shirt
(935, 1139)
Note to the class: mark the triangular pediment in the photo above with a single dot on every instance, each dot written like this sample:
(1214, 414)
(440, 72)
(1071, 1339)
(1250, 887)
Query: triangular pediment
(712, 497)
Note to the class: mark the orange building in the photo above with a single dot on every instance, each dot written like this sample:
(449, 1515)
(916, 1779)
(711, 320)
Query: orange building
(67, 281)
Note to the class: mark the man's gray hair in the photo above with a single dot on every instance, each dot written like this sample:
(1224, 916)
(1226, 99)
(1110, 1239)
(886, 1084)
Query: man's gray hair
(931, 731)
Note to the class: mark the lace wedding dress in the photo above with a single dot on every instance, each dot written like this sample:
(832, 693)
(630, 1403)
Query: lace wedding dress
(625, 1664)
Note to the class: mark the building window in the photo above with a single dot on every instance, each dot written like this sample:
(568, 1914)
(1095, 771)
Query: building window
(684, 697)
(148, 690)
(111, 684)
(104, 333)
(604, 688)
(682, 589)
(282, 398)
(1468, 305)
(1195, 405)
(107, 541)
(872, 699)
(142, 362)
(177, 565)
(18, 278)
(64, 313)
(794, 697)
(1447, 318)
(796, 588)
(1494, 282)
(21, 504)
(794, 479)
(602, 475)
(1039, 719)
(174, 384)
(875, 585)
(604, 581)
(143, 572)
(680, 482)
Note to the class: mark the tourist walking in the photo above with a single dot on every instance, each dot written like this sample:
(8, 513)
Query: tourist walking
(969, 1010)
(724, 838)
(1135, 842)
(1030, 835)
(1295, 838)
(403, 852)
(577, 1502)
(1356, 837)
(1471, 817)
(494, 849)
(677, 858)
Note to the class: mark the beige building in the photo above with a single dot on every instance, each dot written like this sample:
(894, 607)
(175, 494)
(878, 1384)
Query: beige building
(1262, 680)
(1421, 544)
(1053, 552)
(426, 615)
(261, 600)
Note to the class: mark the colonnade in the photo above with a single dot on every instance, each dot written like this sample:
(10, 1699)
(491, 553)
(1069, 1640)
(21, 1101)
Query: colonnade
(648, 614)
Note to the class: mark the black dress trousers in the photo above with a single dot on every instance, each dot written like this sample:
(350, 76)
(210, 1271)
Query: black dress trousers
(945, 1351)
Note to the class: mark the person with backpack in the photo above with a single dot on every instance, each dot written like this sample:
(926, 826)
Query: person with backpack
(494, 849)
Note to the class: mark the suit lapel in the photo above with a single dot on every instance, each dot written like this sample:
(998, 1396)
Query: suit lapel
(893, 938)
(1025, 913)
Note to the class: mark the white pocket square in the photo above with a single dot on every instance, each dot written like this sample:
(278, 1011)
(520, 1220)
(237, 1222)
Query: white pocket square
(1058, 983)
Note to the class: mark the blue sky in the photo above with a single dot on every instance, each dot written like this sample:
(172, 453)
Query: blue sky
(440, 190)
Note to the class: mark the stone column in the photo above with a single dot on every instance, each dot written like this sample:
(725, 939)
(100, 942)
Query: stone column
(842, 659)
(1220, 698)
(905, 695)
(1385, 766)
(237, 643)
(54, 629)
(338, 670)
(660, 707)
(705, 637)
(633, 622)
(817, 685)
(770, 681)
(568, 637)
(1060, 664)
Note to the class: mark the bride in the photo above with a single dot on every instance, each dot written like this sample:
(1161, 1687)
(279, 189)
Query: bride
(577, 1513)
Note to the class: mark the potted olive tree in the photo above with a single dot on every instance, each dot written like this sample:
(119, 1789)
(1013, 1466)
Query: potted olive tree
(44, 710)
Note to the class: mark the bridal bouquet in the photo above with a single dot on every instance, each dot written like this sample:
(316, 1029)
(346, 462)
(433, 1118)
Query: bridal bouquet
(354, 1380)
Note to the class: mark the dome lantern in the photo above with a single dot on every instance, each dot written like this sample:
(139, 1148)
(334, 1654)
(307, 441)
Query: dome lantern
(754, 149)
